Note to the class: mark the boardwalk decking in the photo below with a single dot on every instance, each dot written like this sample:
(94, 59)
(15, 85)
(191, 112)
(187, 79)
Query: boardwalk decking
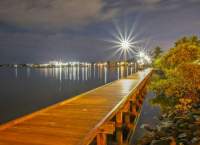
(76, 121)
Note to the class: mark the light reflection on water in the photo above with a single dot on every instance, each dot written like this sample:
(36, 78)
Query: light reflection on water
(79, 73)
(24, 90)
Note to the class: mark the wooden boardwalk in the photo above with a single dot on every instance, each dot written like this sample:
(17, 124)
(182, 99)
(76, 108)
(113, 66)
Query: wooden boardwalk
(79, 120)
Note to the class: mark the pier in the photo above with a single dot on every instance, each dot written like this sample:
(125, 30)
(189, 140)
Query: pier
(94, 117)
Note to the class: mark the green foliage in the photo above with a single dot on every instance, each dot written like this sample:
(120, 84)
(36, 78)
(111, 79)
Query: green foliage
(180, 75)
(185, 50)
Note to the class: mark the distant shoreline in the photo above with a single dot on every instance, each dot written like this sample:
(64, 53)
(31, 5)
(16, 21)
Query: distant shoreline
(71, 64)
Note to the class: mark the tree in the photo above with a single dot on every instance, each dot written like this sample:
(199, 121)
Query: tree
(157, 52)
(179, 74)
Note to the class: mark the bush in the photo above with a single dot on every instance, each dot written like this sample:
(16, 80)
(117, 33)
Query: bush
(179, 74)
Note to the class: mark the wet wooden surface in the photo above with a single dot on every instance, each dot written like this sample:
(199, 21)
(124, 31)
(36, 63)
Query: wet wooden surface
(75, 121)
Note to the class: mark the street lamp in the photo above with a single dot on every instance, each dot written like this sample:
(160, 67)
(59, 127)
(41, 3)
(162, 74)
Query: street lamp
(125, 45)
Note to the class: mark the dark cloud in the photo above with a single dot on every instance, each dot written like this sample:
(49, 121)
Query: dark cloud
(48, 14)
(53, 13)
(152, 5)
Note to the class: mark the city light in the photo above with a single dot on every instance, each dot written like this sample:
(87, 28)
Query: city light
(147, 58)
(143, 58)
(141, 54)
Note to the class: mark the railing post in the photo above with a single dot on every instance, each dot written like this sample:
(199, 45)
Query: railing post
(133, 109)
(134, 104)
(142, 96)
(119, 133)
(127, 113)
(101, 139)
(138, 103)
(107, 128)
(127, 119)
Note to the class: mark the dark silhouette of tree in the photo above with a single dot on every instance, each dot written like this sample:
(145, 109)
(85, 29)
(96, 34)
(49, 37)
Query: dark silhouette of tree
(157, 52)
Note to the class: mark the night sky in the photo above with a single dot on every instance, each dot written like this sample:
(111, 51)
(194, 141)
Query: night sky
(34, 31)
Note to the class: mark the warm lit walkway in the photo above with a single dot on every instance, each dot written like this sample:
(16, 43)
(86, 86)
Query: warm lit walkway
(75, 121)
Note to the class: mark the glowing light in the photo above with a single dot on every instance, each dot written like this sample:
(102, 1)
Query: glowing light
(141, 54)
(125, 45)
(124, 42)
(105, 63)
(147, 58)
(140, 62)
(143, 58)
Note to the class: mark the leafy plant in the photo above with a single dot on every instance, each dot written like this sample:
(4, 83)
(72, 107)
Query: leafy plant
(178, 74)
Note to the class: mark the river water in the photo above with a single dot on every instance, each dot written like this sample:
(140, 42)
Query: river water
(24, 90)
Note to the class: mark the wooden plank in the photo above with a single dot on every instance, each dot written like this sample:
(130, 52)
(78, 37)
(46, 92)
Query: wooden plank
(36, 139)
(79, 120)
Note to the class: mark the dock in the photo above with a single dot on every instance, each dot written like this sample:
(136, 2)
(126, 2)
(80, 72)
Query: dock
(89, 118)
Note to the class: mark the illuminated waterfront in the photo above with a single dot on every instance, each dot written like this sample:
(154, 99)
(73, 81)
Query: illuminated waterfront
(24, 90)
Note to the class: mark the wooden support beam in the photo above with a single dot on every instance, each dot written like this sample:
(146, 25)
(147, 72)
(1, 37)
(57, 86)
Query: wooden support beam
(119, 136)
(133, 108)
(119, 119)
(119, 122)
(127, 120)
(134, 111)
(101, 139)
(126, 107)
(107, 128)
(140, 98)
(138, 104)
(133, 99)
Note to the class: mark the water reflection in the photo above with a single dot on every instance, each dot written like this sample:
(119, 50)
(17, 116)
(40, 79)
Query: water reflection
(16, 72)
(78, 73)
(105, 75)
(28, 72)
